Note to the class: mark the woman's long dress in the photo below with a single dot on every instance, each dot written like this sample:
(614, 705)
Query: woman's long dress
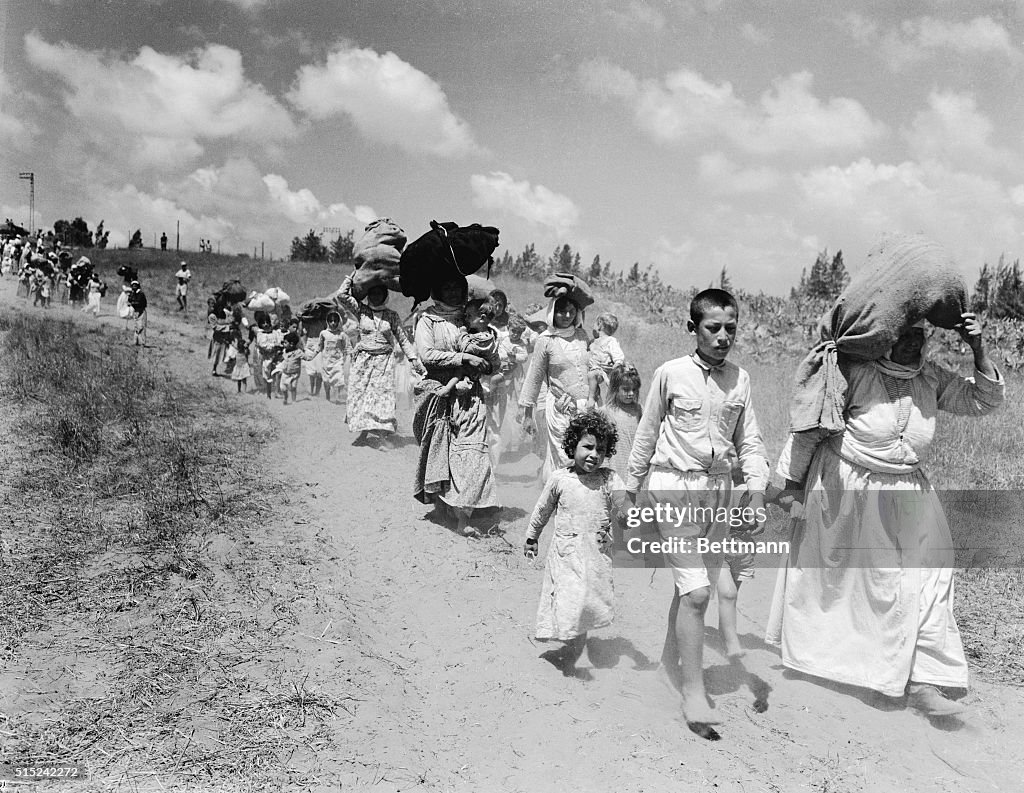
(371, 380)
(562, 365)
(454, 464)
(866, 597)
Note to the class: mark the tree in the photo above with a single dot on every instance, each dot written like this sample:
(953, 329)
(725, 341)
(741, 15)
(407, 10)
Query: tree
(981, 299)
(594, 273)
(838, 278)
(634, 273)
(341, 248)
(102, 237)
(75, 233)
(723, 280)
(136, 240)
(308, 248)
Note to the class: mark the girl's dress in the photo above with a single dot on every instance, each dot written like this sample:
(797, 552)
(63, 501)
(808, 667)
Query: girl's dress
(268, 345)
(626, 421)
(241, 370)
(561, 361)
(577, 594)
(371, 380)
(334, 351)
(866, 596)
(451, 429)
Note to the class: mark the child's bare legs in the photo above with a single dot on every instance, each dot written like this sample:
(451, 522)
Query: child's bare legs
(327, 390)
(270, 388)
(683, 654)
(728, 590)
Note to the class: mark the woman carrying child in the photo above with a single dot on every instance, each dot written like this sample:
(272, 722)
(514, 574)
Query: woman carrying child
(241, 371)
(371, 407)
(334, 347)
(454, 467)
(560, 360)
(269, 344)
(577, 594)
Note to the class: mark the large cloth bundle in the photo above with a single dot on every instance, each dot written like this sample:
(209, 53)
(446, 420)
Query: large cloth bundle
(906, 279)
(377, 255)
(572, 286)
(316, 310)
(230, 293)
(265, 301)
(444, 253)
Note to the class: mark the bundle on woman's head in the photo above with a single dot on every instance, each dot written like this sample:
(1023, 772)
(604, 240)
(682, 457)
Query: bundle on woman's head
(570, 286)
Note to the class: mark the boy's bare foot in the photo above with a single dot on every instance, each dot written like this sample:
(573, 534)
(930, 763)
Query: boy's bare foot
(705, 731)
(696, 710)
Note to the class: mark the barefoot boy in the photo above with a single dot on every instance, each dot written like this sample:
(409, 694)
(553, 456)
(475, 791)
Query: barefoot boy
(698, 415)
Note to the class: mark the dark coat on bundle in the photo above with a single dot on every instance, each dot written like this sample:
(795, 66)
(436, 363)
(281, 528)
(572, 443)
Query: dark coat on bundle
(444, 253)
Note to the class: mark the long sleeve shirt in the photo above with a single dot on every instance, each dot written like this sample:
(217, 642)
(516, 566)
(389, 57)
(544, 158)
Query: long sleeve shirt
(437, 345)
(698, 418)
(558, 362)
(890, 423)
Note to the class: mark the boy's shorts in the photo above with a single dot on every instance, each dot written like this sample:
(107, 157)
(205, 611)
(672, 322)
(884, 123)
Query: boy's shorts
(687, 490)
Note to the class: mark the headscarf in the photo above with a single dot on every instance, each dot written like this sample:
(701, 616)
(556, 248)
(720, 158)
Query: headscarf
(564, 333)
(887, 366)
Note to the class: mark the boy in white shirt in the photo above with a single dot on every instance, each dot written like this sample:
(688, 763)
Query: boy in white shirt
(698, 417)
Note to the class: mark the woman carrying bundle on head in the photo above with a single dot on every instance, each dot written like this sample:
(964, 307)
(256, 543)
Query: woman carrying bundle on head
(561, 361)
(866, 597)
(451, 421)
(370, 407)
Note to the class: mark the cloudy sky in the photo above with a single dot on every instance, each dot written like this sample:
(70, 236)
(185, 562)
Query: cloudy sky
(692, 134)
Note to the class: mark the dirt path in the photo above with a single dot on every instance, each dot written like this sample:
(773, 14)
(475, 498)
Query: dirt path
(425, 640)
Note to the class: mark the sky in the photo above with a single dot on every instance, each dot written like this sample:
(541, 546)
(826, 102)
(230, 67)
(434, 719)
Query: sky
(688, 134)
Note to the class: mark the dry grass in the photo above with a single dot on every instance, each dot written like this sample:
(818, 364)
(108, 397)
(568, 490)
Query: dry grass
(117, 487)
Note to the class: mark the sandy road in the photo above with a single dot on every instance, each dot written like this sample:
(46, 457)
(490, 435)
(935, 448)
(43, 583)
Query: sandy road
(425, 639)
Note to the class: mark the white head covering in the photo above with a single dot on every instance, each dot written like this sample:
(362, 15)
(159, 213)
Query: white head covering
(565, 333)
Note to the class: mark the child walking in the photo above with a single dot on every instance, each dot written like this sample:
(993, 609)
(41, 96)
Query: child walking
(697, 417)
(289, 369)
(624, 410)
(334, 347)
(241, 370)
(577, 595)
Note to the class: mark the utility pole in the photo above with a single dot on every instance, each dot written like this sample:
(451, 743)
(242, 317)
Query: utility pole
(30, 175)
(177, 238)
(261, 250)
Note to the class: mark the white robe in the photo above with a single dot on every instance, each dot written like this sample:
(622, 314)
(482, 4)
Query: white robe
(866, 597)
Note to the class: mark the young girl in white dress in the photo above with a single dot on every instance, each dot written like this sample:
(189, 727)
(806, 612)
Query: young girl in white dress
(577, 595)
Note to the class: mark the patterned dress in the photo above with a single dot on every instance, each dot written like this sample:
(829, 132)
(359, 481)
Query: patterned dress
(454, 464)
(371, 381)
(626, 422)
(577, 594)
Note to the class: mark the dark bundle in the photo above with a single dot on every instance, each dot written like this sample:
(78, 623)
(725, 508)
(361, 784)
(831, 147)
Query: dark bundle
(446, 252)
(316, 310)
(230, 293)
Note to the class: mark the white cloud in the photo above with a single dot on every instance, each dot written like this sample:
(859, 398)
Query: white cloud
(953, 130)
(536, 204)
(233, 204)
(916, 40)
(606, 80)
(15, 130)
(386, 98)
(865, 199)
(722, 176)
(159, 108)
(754, 34)
(638, 17)
(684, 107)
